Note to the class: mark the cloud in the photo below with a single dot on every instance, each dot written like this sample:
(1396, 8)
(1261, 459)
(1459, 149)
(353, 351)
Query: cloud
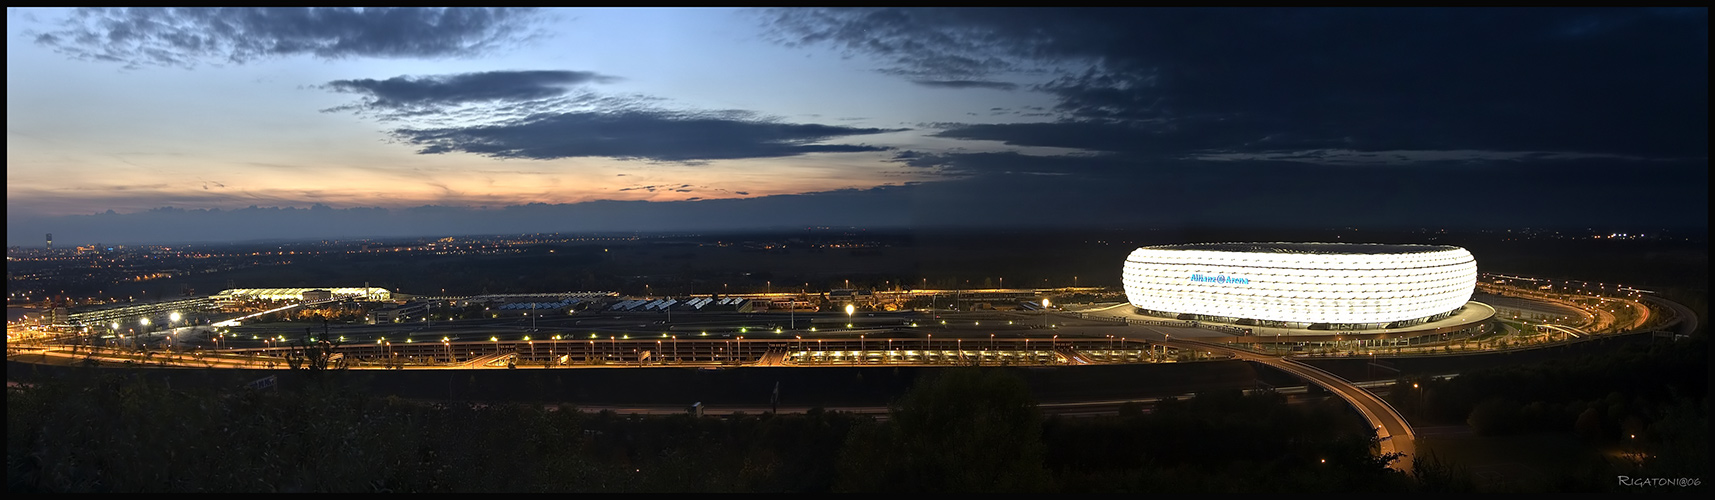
(651, 134)
(1115, 193)
(967, 84)
(923, 43)
(539, 115)
(187, 37)
(957, 165)
(1630, 82)
(424, 93)
(921, 159)
(1351, 157)
(1091, 135)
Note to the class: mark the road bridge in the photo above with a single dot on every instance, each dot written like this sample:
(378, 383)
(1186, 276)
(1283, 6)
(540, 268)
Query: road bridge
(1393, 431)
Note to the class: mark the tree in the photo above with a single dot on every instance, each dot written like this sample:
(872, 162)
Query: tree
(1494, 416)
(963, 430)
(1436, 476)
(315, 354)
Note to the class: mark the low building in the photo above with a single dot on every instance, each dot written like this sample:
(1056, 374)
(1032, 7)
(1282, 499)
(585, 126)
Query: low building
(397, 313)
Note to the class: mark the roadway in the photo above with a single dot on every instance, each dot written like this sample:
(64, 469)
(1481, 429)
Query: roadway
(1684, 321)
(1393, 431)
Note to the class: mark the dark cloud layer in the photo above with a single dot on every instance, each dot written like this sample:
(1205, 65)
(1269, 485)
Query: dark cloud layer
(1185, 81)
(187, 37)
(428, 92)
(967, 84)
(645, 134)
(537, 115)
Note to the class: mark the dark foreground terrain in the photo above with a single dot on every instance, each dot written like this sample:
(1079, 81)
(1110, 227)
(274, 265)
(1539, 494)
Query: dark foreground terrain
(948, 429)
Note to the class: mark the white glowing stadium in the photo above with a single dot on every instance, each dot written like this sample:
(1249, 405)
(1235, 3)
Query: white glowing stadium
(1301, 285)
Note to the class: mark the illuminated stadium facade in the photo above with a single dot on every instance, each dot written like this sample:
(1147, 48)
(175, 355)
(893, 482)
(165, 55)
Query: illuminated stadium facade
(1338, 286)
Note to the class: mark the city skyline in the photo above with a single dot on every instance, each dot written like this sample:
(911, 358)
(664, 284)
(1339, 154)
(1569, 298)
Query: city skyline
(164, 125)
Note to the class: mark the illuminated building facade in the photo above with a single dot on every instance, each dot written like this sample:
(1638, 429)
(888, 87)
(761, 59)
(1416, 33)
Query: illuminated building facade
(1347, 286)
(300, 294)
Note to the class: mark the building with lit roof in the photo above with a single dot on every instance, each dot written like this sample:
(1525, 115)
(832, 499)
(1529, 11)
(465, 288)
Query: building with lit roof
(235, 295)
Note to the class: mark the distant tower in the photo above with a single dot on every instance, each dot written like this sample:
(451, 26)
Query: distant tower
(50, 241)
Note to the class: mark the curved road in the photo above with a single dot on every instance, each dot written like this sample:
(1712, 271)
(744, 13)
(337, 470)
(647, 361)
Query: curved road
(1685, 321)
(1392, 429)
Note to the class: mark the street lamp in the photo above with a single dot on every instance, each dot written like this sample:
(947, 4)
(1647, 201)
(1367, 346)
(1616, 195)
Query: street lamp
(849, 310)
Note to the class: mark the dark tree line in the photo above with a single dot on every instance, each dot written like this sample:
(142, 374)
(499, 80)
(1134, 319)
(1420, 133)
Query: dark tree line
(966, 429)
(1650, 399)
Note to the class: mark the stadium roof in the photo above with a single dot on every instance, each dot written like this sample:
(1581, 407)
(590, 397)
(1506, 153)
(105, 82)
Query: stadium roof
(1309, 248)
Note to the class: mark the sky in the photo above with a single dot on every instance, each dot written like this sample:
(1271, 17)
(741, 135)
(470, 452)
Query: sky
(159, 125)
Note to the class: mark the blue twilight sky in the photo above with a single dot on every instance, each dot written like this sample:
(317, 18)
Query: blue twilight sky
(170, 125)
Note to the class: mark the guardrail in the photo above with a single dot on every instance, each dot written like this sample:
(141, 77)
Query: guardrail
(1139, 322)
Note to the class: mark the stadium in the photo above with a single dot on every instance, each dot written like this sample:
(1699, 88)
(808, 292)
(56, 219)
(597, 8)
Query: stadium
(1311, 286)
